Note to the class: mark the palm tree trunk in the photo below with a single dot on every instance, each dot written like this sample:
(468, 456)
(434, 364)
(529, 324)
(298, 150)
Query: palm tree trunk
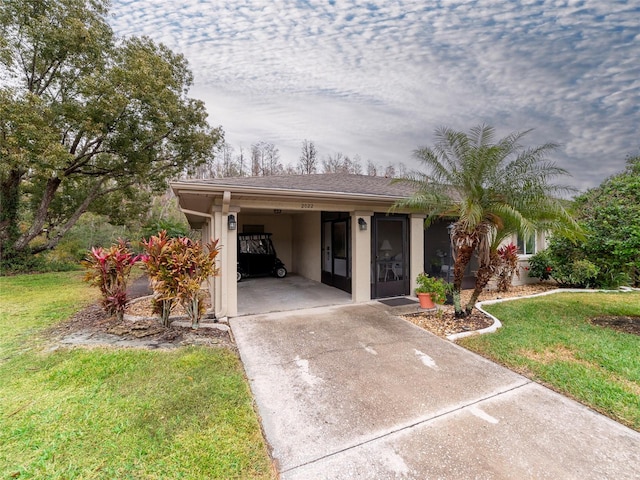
(485, 272)
(463, 258)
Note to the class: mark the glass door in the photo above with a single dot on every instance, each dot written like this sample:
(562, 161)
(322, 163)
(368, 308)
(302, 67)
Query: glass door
(390, 262)
(336, 251)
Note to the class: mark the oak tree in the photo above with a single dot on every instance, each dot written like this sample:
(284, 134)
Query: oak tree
(88, 121)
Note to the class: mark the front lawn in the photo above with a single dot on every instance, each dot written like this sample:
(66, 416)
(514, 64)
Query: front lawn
(109, 413)
(551, 340)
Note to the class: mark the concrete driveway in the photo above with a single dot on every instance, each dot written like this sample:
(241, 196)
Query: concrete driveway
(356, 392)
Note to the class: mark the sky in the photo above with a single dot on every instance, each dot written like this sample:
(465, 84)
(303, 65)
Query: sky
(377, 78)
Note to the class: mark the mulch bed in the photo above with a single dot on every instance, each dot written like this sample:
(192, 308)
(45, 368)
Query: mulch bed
(621, 324)
(443, 323)
(94, 319)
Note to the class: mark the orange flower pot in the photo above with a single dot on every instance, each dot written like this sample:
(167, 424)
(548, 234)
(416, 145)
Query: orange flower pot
(425, 300)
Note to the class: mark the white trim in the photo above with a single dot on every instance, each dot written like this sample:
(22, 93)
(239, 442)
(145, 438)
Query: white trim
(497, 323)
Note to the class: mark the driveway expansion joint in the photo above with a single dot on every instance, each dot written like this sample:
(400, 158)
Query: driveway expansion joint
(336, 350)
(425, 421)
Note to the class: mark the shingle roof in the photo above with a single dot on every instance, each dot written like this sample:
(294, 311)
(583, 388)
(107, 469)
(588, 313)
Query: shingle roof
(324, 182)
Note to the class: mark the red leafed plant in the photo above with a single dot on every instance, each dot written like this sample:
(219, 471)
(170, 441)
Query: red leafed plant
(177, 268)
(155, 261)
(109, 269)
(507, 266)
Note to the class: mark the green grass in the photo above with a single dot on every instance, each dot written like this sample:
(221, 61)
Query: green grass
(108, 413)
(550, 340)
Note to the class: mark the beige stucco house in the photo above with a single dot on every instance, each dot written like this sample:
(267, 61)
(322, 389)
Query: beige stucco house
(330, 228)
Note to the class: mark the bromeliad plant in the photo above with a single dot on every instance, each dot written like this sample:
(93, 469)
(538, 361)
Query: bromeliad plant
(109, 270)
(177, 268)
(507, 266)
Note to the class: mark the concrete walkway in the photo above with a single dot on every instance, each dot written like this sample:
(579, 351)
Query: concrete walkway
(356, 392)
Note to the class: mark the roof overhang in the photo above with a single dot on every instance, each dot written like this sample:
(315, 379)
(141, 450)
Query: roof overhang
(203, 197)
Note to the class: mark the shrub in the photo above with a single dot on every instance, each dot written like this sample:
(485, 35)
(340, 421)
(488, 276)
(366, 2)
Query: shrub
(583, 273)
(541, 265)
(172, 228)
(549, 264)
(156, 261)
(109, 269)
(177, 268)
(507, 266)
(13, 263)
(610, 215)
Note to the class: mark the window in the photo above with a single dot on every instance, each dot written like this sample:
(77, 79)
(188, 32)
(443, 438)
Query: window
(527, 247)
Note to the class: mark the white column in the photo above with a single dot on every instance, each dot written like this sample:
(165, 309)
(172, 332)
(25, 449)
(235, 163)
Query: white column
(416, 242)
(231, 271)
(219, 232)
(361, 257)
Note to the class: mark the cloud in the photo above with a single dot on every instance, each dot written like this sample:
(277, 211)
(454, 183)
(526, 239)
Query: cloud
(377, 77)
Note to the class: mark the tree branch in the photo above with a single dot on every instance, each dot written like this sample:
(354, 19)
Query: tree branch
(40, 216)
(53, 242)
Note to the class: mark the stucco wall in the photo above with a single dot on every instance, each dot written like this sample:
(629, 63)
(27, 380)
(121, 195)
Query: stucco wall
(281, 228)
(306, 245)
(523, 261)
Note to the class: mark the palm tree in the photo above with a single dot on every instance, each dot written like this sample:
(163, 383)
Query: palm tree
(491, 189)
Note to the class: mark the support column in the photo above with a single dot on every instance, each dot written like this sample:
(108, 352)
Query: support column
(416, 242)
(226, 283)
(231, 248)
(220, 229)
(361, 257)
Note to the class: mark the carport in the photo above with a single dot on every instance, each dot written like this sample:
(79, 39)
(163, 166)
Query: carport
(294, 292)
(331, 229)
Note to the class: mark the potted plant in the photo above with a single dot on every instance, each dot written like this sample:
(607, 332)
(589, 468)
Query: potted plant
(430, 290)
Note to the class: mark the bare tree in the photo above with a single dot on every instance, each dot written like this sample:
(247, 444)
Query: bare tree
(241, 163)
(353, 166)
(308, 161)
(390, 171)
(333, 163)
(273, 165)
(257, 159)
(225, 165)
(339, 163)
(265, 159)
(290, 170)
(402, 171)
(372, 169)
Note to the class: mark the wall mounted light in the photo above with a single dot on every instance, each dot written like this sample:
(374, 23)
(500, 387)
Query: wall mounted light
(362, 224)
(231, 222)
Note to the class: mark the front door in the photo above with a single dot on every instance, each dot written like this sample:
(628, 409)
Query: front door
(390, 259)
(336, 250)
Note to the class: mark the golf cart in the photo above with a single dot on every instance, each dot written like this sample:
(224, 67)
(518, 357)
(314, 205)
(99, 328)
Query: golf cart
(257, 257)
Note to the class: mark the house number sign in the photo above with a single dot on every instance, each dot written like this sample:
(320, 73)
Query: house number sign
(307, 205)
